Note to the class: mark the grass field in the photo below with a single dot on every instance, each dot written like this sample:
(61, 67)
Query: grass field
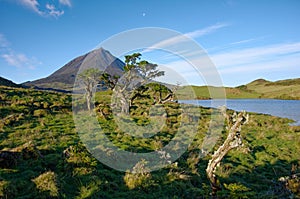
(42, 156)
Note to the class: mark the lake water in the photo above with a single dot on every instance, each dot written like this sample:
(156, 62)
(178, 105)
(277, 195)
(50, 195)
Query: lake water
(281, 108)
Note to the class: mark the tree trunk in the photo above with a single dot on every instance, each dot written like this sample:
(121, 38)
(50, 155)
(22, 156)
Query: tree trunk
(121, 103)
(125, 106)
(88, 102)
(232, 141)
(89, 95)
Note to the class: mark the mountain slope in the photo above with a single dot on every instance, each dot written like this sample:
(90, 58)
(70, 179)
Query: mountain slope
(6, 82)
(63, 78)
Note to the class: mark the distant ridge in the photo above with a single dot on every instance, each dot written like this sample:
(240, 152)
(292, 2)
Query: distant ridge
(260, 88)
(281, 89)
(6, 82)
(64, 78)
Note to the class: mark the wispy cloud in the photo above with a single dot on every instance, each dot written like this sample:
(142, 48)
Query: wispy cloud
(19, 60)
(186, 37)
(235, 44)
(3, 41)
(52, 11)
(46, 10)
(253, 55)
(65, 2)
(288, 62)
(206, 31)
(243, 41)
(243, 64)
(33, 5)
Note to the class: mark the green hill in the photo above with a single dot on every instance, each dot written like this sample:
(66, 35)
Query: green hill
(260, 88)
(203, 92)
(42, 156)
(283, 89)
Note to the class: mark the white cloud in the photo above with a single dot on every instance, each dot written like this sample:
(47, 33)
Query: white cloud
(52, 11)
(49, 9)
(65, 2)
(20, 60)
(33, 5)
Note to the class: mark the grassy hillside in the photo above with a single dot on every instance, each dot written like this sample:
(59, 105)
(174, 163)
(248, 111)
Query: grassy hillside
(203, 92)
(283, 89)
(260, 88)
(41, 155)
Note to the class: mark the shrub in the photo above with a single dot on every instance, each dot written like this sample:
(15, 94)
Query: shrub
(3, 187)
(237, 190)
(40, 113)
(140, 176)
(47, 182)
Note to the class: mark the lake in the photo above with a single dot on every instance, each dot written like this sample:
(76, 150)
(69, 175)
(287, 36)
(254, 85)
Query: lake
(281, 108)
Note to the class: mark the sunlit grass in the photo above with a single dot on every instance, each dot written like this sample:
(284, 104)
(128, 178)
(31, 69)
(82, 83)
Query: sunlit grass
(49, 160)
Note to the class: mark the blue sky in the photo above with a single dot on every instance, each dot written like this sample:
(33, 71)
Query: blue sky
(245, 40)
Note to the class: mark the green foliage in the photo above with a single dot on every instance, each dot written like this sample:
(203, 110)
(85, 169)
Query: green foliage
(144, 68)
(87, 191)
(237, 190)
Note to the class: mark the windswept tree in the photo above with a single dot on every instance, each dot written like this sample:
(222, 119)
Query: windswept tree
(89, 78)
(137, 73)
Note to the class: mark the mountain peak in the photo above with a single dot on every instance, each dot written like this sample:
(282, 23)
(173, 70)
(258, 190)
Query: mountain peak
(64, 78)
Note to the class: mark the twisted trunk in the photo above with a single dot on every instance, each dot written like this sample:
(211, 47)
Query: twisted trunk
(232, 141)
